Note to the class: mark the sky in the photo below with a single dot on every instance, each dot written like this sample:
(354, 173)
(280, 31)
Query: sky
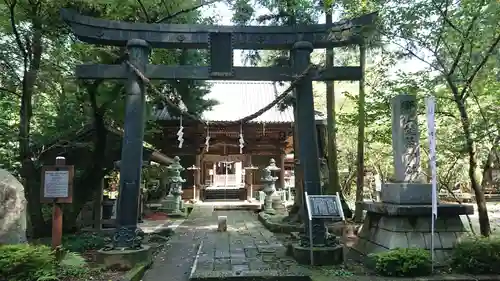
(222, 12)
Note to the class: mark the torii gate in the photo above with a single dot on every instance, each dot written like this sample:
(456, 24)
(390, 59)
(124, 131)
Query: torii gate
(221, 41)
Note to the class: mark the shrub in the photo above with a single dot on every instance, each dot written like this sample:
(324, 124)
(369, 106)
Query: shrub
(477, 256)
(403, 262)
(82, 242)
(24, 262)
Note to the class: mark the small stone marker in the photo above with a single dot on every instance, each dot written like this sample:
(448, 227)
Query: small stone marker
(222, 223)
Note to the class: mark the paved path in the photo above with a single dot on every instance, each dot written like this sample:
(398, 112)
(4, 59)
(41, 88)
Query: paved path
(174, 262)
(247, 249)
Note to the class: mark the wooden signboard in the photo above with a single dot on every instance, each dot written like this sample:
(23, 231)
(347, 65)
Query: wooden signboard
(57, 184)
(57, 188)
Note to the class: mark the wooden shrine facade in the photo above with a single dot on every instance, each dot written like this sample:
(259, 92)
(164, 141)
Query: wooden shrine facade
(263, 141)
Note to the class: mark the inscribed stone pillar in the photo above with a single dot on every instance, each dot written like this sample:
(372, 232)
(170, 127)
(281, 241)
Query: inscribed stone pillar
(405, 142)
(405, 138)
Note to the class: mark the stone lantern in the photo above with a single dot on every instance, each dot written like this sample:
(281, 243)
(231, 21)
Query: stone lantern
(172, 204)
(269, 181)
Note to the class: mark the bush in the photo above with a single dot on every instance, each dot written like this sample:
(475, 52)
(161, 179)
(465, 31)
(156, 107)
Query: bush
(403, 262)
(477, 256)
(24, 262)
(82, 242)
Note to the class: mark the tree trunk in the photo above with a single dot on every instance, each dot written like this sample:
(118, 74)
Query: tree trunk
(32, 58)
(360, 177)
(330, 119)
(484, 222)
(95, 172)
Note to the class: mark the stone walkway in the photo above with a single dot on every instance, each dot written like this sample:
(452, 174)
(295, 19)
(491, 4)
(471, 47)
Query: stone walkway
(246, 250)
(174, 262)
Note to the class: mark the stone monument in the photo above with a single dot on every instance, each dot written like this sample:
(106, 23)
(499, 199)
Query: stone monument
(12, 210)
(172, 204)
(403, 217)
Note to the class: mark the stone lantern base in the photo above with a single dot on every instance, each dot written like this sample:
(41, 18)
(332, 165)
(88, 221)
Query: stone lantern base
(389, 226)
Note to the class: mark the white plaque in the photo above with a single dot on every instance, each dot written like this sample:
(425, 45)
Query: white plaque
(56, 184)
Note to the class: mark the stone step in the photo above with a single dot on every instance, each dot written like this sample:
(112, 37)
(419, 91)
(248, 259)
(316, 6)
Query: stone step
(260, 275)
(219, 194)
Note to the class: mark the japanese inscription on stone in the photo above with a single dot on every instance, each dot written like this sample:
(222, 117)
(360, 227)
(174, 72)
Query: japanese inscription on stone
(405, 139)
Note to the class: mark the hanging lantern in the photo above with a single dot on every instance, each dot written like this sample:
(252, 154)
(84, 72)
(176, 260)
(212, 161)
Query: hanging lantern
(180, 134)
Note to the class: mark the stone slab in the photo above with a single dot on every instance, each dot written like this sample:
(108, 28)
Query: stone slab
(417, 210)
(407, 193)
(255, 275)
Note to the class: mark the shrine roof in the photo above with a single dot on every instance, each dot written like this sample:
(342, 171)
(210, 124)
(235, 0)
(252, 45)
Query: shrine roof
(238, 99)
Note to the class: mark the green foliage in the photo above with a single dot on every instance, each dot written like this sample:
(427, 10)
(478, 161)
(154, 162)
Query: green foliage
(74, 265)
(477, 256)
(82, 242)
(403, 262)
(24, 262)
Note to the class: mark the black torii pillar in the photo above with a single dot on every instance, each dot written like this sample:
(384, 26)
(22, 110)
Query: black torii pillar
(308, 144)
(127, 232)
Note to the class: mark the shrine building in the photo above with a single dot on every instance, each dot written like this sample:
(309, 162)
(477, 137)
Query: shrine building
(222, 169)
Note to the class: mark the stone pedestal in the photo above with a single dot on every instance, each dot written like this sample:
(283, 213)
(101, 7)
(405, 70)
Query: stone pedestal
(125, 259)
(321, 255)
(407, 193)
(277, 203)
(172, 205)
(389, 226)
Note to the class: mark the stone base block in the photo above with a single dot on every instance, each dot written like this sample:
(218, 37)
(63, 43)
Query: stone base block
(407, 193)
(125, 259)
(222, 223)
(383, 231)
(321, 255)
(417, 210)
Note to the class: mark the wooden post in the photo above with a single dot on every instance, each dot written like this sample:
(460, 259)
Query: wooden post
(98, 208)
(197, 178)
(248, 177)
(282, 171)
(57, 189)
(57, 214)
